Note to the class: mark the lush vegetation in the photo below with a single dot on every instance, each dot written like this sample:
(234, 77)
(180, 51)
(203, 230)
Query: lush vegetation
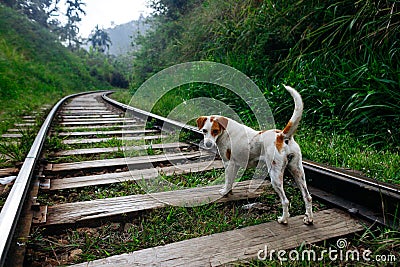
(341, 55)
(36, 69)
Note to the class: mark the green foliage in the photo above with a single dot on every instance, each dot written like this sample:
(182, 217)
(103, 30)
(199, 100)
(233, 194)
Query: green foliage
(100, 40)
(35, 68)
(341, 55)
(38, 10)
(69, 32)
(16, 149)
(346, 151)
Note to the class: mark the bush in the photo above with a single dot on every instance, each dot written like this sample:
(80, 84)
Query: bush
(342, 55)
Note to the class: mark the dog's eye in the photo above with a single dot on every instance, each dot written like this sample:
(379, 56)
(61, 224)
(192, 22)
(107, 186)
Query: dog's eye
(215, 132)
(204, 131)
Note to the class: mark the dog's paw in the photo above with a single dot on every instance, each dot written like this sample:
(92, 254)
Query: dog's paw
(224, 192)
(282, 220)
(308, 220)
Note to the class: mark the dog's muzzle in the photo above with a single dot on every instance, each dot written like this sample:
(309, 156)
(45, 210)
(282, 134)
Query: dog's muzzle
(208, 144)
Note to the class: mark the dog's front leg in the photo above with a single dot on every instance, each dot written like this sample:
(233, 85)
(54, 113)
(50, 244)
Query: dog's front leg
(231, 171)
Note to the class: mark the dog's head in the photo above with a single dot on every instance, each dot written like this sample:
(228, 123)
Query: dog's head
(212, 127)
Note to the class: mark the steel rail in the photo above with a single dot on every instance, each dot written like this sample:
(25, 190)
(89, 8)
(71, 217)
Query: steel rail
(160, 122)
(370, 199)
(376, 201)
(12, 207)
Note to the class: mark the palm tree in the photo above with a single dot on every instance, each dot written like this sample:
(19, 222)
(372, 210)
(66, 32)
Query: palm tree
(100, 40)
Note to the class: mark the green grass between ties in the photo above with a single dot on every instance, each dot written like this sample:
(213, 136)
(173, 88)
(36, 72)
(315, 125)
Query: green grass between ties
(380, 243)
(342, 149)
(14, 150)
(159, 227)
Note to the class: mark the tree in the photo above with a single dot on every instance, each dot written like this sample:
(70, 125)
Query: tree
(9, 3)
(100, 40)
(172, 9)
(70, 30)
(38, 10)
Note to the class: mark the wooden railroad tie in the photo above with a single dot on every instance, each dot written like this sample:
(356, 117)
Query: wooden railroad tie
(70, 213)
(239, 245)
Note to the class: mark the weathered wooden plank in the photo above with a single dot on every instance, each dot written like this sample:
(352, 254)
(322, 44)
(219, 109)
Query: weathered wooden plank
(11, 135)
(241, 244)
(24, 124)
(100, 208)
(72, 123)
(8, 172)
(105, 139)
(98, 150)
(136, 175)
(82, 105)
(91, 116)
(139, 125)
(117, 119)
(79, 108)
(136, 161)
(76, 112)
(120, 132)
(79, 102)
(17, 130)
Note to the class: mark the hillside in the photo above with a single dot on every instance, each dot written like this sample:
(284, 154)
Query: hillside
(123, 35)
(35, 68)
(341, 55)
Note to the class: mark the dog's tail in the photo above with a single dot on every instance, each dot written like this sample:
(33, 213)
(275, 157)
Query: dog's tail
(294, 121)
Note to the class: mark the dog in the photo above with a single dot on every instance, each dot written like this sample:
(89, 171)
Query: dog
(242, 146)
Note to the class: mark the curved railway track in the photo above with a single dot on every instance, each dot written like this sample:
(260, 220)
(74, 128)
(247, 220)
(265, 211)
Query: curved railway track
(79, 122)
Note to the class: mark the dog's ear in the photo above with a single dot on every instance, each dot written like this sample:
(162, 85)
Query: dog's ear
(200, 122)
(223, 122)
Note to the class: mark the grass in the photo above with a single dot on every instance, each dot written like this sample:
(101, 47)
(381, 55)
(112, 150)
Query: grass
(343, 57)
(35, 70)
(108, 155)
(79, 158)
(56, 143)
(123, 96)
(173, 224)
(194, 179)
(90, 193)
(159, 227)
(15, 150)
(380, 246)
(345, 150)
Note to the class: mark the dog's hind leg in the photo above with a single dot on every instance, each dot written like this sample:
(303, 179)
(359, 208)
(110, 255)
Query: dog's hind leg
(276, 175)
(295, 167)
(231, 171)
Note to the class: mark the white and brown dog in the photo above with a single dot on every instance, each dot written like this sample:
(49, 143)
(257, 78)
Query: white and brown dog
(241, 146)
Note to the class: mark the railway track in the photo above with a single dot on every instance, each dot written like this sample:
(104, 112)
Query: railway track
(74, 180)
